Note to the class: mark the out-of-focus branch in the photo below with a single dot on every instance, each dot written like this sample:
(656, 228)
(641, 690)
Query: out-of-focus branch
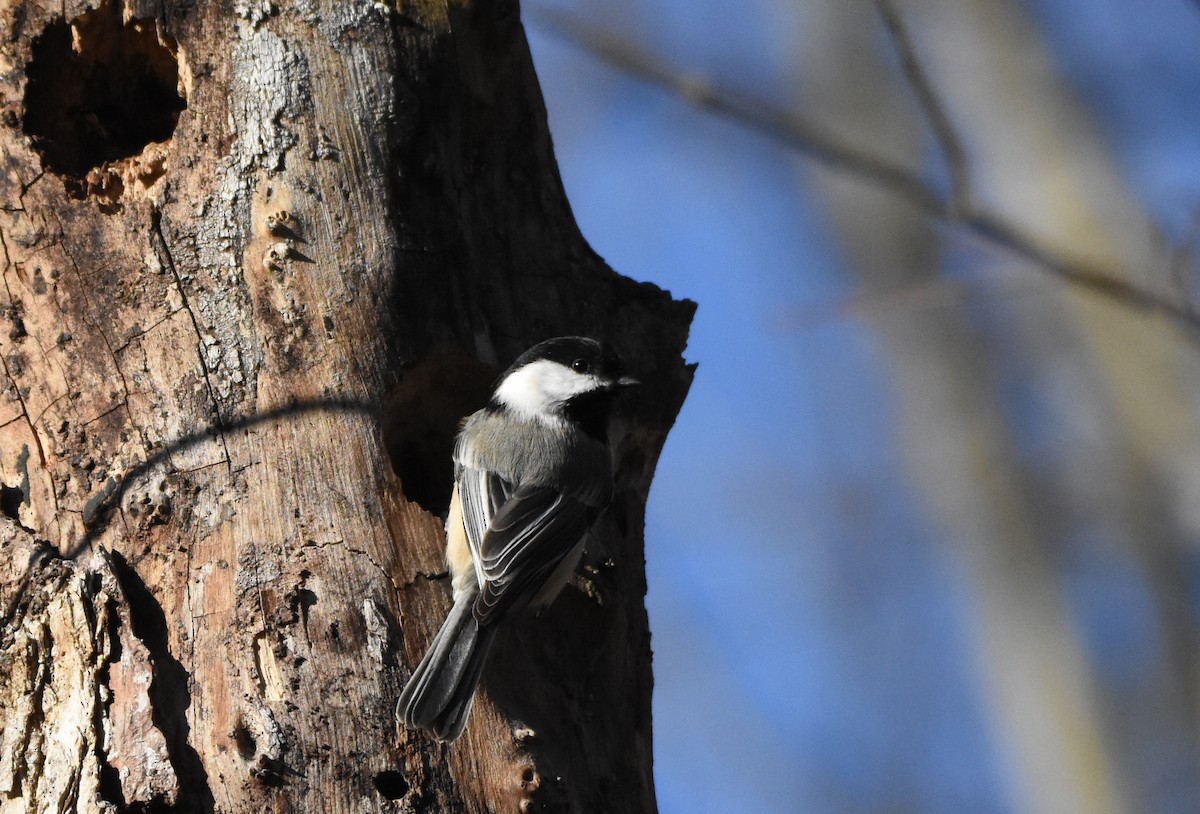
(802, 135)
(939, 120)
(781, 125)
(1183, 259)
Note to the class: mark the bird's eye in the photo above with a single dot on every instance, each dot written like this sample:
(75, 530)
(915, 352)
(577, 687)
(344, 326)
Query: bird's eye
(580, 366)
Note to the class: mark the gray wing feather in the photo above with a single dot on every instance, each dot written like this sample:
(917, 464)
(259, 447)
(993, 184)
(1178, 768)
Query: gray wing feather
(481, 494)
(520, 539)
(527, 540)
(439, 693)
(517, 538)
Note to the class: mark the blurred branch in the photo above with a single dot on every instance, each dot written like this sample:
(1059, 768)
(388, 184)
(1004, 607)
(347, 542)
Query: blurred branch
(780, 125)
(927, 98)
(799, 134)
(1183, 260)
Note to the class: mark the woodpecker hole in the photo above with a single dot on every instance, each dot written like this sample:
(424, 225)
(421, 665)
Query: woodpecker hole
(11, 498)
(100, 92)
(391, 784)
(421, 418)
(247, 747)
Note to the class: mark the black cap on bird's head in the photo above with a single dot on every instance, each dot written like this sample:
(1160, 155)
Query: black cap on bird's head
(581, 354)
(568, 377)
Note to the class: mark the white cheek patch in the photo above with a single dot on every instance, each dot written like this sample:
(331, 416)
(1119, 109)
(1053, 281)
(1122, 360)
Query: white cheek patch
(539, 388)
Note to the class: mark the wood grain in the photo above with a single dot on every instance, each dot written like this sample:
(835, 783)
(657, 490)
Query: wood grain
(213, 583)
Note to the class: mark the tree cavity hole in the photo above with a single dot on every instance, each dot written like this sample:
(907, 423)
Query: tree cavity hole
(100, 90)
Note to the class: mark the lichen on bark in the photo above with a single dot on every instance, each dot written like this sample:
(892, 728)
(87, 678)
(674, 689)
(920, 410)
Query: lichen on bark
(203, 518)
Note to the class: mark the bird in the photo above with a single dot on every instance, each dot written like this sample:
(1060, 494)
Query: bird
(532, 472)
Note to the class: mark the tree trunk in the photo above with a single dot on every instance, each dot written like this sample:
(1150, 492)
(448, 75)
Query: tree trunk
(258, 260)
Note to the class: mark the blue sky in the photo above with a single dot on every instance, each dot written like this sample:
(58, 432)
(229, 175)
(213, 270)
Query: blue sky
(810, 630)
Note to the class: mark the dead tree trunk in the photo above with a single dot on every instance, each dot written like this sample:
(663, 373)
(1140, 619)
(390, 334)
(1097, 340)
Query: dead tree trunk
(258, 258)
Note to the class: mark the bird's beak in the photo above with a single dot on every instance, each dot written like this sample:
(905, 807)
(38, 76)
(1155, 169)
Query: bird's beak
(625, 382)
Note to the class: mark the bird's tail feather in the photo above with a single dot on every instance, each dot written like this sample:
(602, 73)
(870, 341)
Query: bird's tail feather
(438, 696)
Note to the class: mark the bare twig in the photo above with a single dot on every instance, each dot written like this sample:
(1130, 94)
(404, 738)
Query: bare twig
(783, 126)
(802, 135)
(939, 120)
(1083, 275)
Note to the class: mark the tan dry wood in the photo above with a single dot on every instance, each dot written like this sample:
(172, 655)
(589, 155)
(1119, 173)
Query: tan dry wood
(213, 579)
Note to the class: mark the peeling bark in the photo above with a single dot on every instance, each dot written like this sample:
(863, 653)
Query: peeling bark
(234, 352)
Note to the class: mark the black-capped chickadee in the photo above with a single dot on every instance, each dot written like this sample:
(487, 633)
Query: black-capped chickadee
(532, 471)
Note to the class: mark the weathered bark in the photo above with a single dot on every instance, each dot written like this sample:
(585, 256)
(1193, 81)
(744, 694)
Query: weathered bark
(257, 262)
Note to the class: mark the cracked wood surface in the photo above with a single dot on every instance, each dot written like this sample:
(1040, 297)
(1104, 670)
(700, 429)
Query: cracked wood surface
(218, 353)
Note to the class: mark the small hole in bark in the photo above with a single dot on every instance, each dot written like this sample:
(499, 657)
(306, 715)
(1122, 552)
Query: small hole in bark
(302, 600)
(246, 745)
(391, 784)
(421, 418)
(11, 498)
(100, 91)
